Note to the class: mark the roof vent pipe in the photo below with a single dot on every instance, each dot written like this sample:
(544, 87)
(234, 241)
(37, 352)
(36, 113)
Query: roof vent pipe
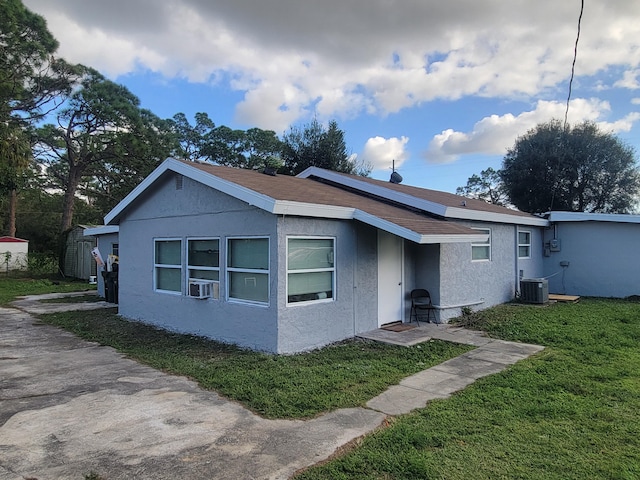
(395, 176)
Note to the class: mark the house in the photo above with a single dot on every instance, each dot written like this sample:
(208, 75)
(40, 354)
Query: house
(107, 243)
(286, 264)
(14, 253)
(78, 262)
(593, 254)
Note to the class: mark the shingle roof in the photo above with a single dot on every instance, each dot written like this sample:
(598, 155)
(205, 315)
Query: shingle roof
(283, 187)
(413, 213)
(442, 198)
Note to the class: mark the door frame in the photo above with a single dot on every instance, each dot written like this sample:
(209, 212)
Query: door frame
(385, 279)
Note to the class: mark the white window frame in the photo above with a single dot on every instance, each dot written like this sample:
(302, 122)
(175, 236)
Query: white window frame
(157, 266)
(312, 270)
(482, 245)
(528, 244)
(229, 270)
(216, 289)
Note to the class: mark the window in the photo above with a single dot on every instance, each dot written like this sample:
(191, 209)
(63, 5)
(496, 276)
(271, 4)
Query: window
(524, 244)
(203, 261)
(482, 250)
(115, 248)
(168, 265)
(310, 269)
(248, 269)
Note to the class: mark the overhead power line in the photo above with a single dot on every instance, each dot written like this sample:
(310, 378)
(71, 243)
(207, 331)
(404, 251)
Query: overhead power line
(573, 66)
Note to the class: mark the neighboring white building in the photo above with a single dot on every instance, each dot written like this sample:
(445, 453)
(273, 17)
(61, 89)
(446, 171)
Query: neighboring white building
(14, 253)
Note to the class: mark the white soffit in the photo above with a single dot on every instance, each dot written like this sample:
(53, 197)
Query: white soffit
(592, 217)
(416, 237)
(101, 230)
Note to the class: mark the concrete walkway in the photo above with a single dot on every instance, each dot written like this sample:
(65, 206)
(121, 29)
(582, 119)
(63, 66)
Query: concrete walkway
(491, 356)
(69, 407)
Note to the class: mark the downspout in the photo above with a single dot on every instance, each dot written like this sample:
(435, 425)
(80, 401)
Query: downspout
(517, 264)
(355, 280)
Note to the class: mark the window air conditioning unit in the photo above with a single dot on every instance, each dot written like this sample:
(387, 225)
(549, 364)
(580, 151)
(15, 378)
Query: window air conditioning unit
(534, 290)
(200, 288)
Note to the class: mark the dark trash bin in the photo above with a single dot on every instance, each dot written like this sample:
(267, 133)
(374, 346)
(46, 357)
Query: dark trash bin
(111, 285)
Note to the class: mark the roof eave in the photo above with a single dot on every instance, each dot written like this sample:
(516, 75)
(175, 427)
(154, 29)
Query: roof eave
(414, 236)
(101, 230)
(302, 209)
(480, 216)
(434, 208)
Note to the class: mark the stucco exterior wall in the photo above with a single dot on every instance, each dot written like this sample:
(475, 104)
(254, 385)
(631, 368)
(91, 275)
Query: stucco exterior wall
(422, 270)
(194, 210)
(603, 259)
(303, 326)
(491, 282)
(532, 267)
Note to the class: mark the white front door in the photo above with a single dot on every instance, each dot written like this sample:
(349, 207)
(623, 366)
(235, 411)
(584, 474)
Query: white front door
(390, 289)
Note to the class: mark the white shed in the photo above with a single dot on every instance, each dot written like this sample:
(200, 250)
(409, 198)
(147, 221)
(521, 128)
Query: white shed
(14, 253)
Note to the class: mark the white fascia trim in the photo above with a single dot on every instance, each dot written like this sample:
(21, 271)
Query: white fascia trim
(245, 194)
(425, 205)
(592, 217)
(286, 207)
(415, 237)
(101, 230)
(463, 214)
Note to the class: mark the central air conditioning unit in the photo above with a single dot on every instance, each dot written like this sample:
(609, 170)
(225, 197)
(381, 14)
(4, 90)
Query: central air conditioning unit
(534, 290)
(200, 289)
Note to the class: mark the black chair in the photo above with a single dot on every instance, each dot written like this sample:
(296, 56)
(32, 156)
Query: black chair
(420, 304)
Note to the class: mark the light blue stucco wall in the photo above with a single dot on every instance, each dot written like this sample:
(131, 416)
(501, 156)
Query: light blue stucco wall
(194, 210)
(353, 309)
(491, 282)
(422, 270)
(198, 211)
(603, 259)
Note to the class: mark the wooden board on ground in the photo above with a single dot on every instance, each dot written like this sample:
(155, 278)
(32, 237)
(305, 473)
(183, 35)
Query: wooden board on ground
(564, 298)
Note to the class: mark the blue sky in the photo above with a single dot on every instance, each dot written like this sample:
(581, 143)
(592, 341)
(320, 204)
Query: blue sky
(441, 87)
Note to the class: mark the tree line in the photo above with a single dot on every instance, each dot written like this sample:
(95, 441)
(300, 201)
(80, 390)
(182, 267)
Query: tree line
(556, 166)
(74, 143)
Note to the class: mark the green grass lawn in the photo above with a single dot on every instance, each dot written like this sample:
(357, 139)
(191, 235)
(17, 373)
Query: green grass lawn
(276, 386)
(14, 285)
(570, 412)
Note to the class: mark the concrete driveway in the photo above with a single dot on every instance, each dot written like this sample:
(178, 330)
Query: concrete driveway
(69, 407)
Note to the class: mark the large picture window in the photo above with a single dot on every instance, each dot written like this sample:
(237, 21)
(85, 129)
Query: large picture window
(168, 265)
(203, 261)
(310, 269)
(482, 250)
(524, 244)
(248, 269)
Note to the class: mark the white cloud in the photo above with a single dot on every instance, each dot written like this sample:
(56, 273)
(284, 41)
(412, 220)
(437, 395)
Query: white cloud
(629, 80)
(495, 134)
(635, 101)
(344, 58)
(380, 152)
